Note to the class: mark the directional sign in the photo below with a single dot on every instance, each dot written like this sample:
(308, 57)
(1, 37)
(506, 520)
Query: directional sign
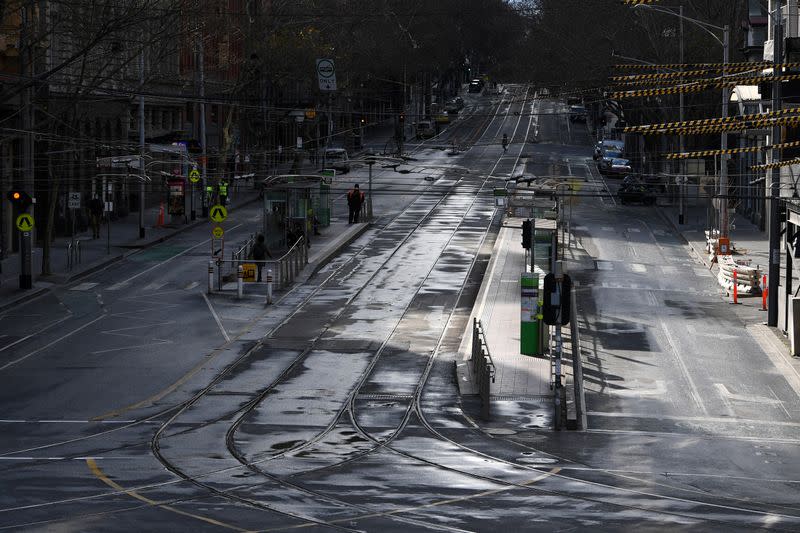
(218, 213)
(24, 222)
(194, 175)
(326, 74)
(217, 232)
(74, 200)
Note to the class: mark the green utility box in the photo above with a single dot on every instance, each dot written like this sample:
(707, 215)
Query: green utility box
(531, 317)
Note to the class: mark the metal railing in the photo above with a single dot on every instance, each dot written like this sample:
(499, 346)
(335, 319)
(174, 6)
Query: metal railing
(577, 363)
(482, 366)
(73, 254)
(275, 273)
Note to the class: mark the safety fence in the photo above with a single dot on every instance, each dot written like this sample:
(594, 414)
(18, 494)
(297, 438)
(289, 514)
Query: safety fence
(73, 254)
(740, 274)
(232, 275)
(482, 366)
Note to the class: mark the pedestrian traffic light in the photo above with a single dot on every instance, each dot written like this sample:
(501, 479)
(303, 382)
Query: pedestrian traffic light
(526, 234)
(19, 198)
(402, 117)
(556, 300)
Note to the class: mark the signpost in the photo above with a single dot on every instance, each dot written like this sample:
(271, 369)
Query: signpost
(218, 213)
(25, 224)
(217, 232)
(326, 74)
(194, 177)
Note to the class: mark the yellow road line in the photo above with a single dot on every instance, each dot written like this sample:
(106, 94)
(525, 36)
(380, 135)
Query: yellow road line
(99, 474)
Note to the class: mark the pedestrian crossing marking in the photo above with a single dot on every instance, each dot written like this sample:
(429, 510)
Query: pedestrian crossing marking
(638, 267)
(634, 230)
(669, 269)
(154, 286)
(604, 265)
(659, 232)
(83, 286)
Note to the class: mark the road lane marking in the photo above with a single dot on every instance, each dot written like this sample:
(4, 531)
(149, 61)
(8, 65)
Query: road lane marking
(59, 321)
(84, 286)
(638, 268)
(659, 390)
(634, 230)
(695, 393)
(191, 286)
(109, 350)
(167, 260)
(99, 474)
(750, 398)
(155, 286)
(216, 318)
(76, 330)
(775, 351)
(117, 286)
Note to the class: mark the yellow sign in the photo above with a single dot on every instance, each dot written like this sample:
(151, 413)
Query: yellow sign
(194, 175)
(218, 213)
(311, 113)
(249, 271)
(24, 222)
(217, 232)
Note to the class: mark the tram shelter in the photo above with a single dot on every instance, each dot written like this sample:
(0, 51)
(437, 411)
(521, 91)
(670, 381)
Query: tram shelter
(294, 205)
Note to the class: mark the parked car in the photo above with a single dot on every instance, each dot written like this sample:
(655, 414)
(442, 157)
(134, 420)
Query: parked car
(600, 146)
(620, 167)
(453, 107)
(425, 129)
(337, 159)
(577, 113)
(636, 193)
(459, 102)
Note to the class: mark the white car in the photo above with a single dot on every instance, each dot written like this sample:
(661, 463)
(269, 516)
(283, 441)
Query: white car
(337, 159)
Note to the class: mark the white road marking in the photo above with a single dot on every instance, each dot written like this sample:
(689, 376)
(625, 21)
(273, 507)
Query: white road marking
(669, 269)
(155, 286)
(634, 230)
(659, 232)
(659, 390)
(109, 350)
(216, 318)
(191, 286)
(701, 272)
(607, 228)
(143, 272)
(84, 286)
(750, 398)
(117, 286)
(74, 331)
(638, 267)
(59, 321)
(695, 393)
(604, 265)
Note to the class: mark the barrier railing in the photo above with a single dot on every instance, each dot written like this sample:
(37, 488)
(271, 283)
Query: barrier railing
(482, 366)
(577, 363)
(281, 271)
(73, 254)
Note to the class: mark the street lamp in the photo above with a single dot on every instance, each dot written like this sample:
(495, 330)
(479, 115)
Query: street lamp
(725, 42)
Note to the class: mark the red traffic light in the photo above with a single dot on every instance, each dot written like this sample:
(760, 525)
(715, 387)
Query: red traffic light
(20, 198)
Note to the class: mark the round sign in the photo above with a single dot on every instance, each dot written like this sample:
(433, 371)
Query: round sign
(325, 68)
(217, 232)
(25, 222)
(194, 175)
(218, 213)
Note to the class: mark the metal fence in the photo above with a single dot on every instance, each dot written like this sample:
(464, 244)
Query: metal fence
(227, 275)
(482, 366)
(73, 254)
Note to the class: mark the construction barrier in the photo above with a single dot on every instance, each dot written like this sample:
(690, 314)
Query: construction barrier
(737, 276)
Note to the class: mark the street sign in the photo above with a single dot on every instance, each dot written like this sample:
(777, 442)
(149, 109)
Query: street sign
(217, 232)
(74, 200)
(326, 74)
(194, 175)
(248, 272)
(218, 213)
(24, 222)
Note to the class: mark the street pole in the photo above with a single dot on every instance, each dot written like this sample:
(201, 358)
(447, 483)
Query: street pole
(204, 162)
(27, 70)
(723, 160)
(141, 146)
(774, 222)
(369, 198)
(682, 138)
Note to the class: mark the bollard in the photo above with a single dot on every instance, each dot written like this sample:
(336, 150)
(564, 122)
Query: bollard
(764, 292)
(269, 286)
(735, 287)
(240, 281)
(210, 277)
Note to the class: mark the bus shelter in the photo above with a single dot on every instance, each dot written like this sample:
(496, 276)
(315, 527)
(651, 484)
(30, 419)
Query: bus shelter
(294, 206)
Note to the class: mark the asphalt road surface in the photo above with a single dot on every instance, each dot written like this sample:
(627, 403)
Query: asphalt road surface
(134, 402)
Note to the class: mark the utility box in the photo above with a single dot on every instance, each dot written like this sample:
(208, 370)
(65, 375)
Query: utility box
(530, 319)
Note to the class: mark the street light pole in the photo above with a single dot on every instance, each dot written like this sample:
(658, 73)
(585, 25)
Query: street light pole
(141, 147)
(774, 221)
(723, 161)
(681, 184)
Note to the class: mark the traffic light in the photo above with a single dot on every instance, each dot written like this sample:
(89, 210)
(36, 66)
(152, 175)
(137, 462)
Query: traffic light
(526, 234)
(556, 303)
(19, 198)
(402, 117)
(363, 121)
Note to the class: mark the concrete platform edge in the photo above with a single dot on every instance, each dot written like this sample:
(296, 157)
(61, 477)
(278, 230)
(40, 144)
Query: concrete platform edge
(333, 249)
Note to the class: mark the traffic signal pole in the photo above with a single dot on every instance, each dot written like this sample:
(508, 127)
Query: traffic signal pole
(774, 221)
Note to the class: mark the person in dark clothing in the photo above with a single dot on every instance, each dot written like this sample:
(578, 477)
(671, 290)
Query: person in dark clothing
(260, 254)
(355, 198)
(96, 213)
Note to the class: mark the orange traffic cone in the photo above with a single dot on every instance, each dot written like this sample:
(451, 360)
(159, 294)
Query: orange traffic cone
(161, 215)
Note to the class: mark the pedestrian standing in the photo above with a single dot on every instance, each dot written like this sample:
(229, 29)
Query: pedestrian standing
(95, 212)
(223, 192)
(260, 253)
(355, 198)
(209, 193)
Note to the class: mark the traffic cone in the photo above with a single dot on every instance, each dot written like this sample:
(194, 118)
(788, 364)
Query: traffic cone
(160, 215)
